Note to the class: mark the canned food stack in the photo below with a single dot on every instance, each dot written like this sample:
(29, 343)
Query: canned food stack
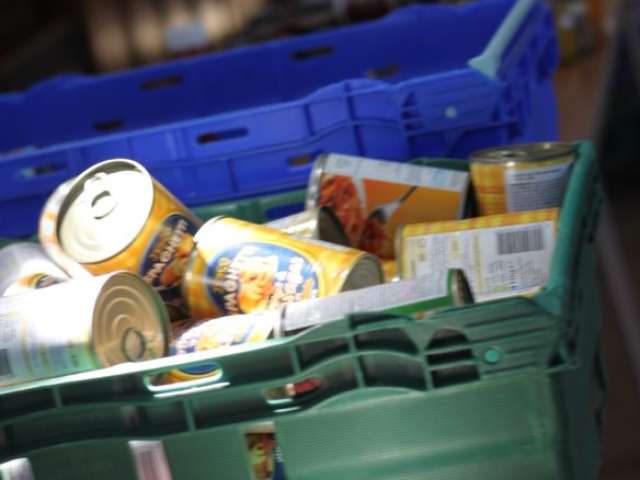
(115, 234)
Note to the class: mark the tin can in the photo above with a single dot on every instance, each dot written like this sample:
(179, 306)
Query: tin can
(521, 177)
(372, 197)
(239, 267)
(191, 336)
(417, 297)
(265, 455)
(25, 266)
(115, 216)
(48, 233)
(80, 325)
(316, 223)
(390, 269)
(502, 255)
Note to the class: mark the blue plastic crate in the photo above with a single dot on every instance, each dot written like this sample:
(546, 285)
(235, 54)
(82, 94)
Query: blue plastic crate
(426, 80)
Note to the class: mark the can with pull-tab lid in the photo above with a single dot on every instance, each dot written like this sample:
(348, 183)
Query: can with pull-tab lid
(115, 216)
(25, 266)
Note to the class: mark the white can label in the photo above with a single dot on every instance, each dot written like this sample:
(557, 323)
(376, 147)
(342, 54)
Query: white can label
(150, 460)
(372, 299)
(499, 262)
(34, 345)
(18, 469)
(536, 188)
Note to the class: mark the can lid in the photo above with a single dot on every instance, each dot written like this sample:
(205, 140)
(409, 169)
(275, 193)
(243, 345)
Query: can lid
(105, 210)
(130, 322)
(366, 272)
(330, 228)
(530, 152)
(461, 292)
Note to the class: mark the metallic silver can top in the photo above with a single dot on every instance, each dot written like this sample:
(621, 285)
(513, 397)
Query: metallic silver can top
(105, 210)
(530, 152)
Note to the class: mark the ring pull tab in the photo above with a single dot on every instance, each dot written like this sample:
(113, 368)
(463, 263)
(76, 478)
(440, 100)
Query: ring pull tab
(103, 202)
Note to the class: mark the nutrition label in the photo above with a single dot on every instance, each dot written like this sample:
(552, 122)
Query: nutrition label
(499, 262)
(536, 188)
(421, 176)
(379, 298)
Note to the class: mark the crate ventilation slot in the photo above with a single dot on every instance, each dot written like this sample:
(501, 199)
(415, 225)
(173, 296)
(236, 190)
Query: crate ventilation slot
(450, 359)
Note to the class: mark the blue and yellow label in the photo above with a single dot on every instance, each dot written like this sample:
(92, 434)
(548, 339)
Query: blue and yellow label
(254, 276)
(165, 259)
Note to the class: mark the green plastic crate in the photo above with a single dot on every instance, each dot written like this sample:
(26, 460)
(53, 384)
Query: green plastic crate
(501, 390)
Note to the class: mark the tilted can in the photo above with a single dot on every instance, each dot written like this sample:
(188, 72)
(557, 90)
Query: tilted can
(189, 336)
(502, 255)
(316, 223)
(115, 216)
(519, 178)
(417, 297)
(80, 325)
(239, 267)
(25, 266)
(371, 198)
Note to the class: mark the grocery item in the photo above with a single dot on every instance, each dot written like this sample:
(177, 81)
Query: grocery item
(264, 453)
(502, 255)
(115, 216)
(239, 267)
(521, 177)
(48, 233)
(390, 269)
(190, 336)
(316, 223)
(25, 266)
(80, 325)
(416, 297)
(372, 197)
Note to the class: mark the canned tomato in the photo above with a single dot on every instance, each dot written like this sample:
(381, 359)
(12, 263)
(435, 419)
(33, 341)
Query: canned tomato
(521, 177)
(315, 223)
(502, 255)
(239, 267)
(417, 297)
(115, 216)
(372, 197)
(25, 266)
(80, 325)
(189, 336)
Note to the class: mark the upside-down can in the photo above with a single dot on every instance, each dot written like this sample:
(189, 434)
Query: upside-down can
(115, 216)
(502, 255)
(316, 223)
(25, 266)
(371, 198)
(519, 178)
(417, 297)
(189, 336)
(239, 267)
(80, 325)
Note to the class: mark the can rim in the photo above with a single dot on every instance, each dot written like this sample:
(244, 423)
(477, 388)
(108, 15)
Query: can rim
(523, 153)
(313, 187)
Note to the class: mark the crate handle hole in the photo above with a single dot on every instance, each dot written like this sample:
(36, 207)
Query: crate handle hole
(312, 52)
(163, 82)
(455, 376)
(383, 72)
(212, 137)
(108, 125)
(300, 160)
(41, 170)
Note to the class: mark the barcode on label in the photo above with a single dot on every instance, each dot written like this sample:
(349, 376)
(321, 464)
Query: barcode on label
(150, 460)
(18, 469)
(530, 240)
(5, 364)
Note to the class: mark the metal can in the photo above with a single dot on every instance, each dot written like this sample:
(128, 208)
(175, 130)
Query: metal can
(502, 255)
(521, 177)
(239, 267)
(417, 297)
(189, 336)
(80, 325)
(371, 198)
(48, 233)
(25, 266)
(264, 452)
(390, 269)
(115, 216)
(316, 223)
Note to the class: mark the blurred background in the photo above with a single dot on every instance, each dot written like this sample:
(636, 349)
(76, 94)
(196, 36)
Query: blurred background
(40, 38)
